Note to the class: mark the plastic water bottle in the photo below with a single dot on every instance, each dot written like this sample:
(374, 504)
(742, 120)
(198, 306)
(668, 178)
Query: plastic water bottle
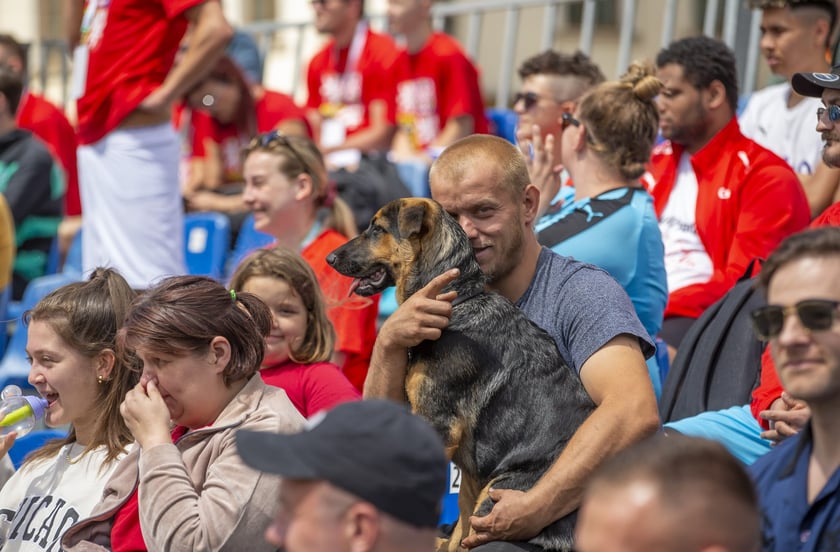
(19, 412)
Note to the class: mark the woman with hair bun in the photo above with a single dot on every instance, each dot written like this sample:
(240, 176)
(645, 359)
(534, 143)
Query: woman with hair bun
(611, 223)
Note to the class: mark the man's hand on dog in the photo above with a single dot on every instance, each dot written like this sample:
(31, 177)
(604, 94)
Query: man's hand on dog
(513, 518)
(422, 316)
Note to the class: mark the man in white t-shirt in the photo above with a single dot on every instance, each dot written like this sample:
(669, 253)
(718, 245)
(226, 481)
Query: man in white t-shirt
(794, 38)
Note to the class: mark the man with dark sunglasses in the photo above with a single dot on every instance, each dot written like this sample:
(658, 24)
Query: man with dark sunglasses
(794, 38)
(799, 482)
(779, 414)
(552, 82)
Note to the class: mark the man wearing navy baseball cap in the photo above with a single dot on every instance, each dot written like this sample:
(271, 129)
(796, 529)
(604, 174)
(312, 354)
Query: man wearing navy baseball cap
(367, 475)
(827, 87)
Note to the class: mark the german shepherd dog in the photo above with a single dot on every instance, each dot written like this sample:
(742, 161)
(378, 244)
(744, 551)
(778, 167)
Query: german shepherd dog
(493, 385)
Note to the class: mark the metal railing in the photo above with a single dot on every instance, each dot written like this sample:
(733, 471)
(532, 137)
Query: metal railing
(289, 37)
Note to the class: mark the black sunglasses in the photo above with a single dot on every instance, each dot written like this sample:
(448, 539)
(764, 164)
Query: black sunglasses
(529, 99)
(265, 140)
(568, 119)
(833, 113)
(814, 314)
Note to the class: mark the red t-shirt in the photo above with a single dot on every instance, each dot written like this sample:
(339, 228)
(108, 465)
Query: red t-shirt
(333, 87)
(311, 387)
(271, 110)
(354, 318)
(132, 46)
(47, 122)
(126, 535)
(440, 83)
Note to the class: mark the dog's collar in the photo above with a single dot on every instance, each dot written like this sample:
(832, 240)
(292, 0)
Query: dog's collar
(466, 297)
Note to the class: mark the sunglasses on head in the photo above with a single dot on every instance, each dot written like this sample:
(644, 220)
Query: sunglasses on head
(833, 113)
(265, 140)
(568, 119)
(814, 314)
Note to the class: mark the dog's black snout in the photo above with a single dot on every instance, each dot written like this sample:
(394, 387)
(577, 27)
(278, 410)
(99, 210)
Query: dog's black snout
(331, 259)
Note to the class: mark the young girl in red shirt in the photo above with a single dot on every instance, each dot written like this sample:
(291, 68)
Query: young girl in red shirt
(302, 338)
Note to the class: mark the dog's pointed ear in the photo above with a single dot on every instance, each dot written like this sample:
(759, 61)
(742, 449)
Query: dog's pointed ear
(412, 215)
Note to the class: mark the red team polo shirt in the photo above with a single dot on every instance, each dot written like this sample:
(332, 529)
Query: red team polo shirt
(373, 78)
(132, 46)
(441, 83)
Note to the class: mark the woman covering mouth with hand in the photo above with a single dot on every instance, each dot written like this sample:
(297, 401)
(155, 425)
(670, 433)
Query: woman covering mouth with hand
(185, 488)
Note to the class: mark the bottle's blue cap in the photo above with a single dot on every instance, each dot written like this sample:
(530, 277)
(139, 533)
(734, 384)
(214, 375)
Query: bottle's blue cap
(38, 404)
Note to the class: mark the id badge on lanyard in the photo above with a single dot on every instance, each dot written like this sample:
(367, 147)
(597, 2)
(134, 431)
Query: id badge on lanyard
(334, 125)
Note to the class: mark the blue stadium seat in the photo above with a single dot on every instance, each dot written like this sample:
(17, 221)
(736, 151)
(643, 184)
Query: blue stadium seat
(32, 441)
(247, 240)
(14, 369)
(73, 260)
(503, 123)
(206, 240)
(449, 510)
(53, 258)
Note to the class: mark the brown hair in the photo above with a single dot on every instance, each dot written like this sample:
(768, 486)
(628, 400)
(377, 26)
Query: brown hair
(182, 314)
(584, 72)
(461, 156)
(284, 264)
(622, 120)
(87, 316)
(227, 72)
(816, 242)
(299, 155)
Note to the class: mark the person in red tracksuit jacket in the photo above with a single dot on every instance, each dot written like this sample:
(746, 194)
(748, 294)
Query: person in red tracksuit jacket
(722, 200)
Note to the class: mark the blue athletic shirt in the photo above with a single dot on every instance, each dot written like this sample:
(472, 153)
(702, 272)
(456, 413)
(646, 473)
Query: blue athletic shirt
(617, 231)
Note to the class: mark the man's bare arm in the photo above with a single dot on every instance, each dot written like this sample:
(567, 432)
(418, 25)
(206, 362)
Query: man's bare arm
(376, 137)
(210, 34)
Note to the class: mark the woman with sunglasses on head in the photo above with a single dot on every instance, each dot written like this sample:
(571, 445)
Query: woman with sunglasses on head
(610, 222)
(185, 488)
(75, 366)
(226, 111)
(287, 189)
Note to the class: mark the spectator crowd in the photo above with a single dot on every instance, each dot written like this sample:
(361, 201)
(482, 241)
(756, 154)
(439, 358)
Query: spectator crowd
(267, 409)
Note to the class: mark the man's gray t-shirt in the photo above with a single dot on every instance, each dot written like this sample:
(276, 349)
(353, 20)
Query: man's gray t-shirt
(581, 307)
